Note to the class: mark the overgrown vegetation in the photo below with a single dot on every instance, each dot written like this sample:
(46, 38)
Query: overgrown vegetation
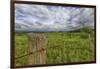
(67, 47)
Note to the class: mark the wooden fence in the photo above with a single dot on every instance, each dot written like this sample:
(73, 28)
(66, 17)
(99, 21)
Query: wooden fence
(37, 42)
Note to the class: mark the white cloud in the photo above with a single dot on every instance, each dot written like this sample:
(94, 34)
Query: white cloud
(49, 18)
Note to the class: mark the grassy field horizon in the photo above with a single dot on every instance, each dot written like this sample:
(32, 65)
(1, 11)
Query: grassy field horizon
(63, 47)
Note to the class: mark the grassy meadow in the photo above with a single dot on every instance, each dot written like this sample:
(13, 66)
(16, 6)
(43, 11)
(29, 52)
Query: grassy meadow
(69, 47)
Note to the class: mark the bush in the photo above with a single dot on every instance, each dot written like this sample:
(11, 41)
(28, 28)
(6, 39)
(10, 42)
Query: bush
(86, 30)
(84, 36)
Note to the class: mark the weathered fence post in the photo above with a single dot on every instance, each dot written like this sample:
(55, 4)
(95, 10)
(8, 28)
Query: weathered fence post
(37, 45)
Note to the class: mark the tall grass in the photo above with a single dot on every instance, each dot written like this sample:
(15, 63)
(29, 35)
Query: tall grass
(62, 47)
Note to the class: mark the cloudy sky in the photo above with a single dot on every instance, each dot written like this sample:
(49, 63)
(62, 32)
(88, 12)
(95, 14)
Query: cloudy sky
(30, 17)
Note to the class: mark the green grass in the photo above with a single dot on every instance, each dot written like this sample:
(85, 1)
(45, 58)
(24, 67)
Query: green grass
(21, 48)
(69, 47)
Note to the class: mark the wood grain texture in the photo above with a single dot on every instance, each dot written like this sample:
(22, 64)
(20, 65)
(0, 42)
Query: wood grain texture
(37, 44)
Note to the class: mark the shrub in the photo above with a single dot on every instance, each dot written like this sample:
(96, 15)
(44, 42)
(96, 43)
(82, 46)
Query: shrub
(84, 36)
(86, 30)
